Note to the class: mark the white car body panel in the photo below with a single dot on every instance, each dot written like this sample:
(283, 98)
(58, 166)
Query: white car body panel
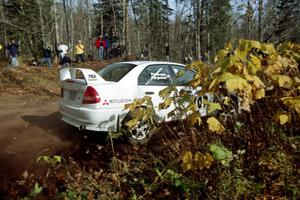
(106, 115)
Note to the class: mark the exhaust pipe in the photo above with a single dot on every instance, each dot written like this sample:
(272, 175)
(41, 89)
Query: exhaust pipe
(81, 128)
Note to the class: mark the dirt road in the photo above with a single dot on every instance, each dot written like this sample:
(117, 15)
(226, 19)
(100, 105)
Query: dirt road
(30, 128)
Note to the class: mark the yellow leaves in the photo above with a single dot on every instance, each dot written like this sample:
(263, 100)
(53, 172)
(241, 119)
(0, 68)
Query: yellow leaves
(213, 107)
(255, 44)
(222, 54)
(198, 161)
(167, 102)
(195, 118)
(257, 86)
(292, 102)
(198, 66)
(202, 161)
(187, 161)
(244, 48)
(140, 110)
(226, 101)
(269, 49)
(280, 64)
(254, 64)
(255, 81)
(259, 94)
(214, 125)
(233, 82)
(283, 81)
(167, 91)
(132, 123)
(282, 118)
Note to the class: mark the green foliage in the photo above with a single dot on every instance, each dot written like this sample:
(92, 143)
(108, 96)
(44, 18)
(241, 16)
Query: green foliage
(175, 179)
(51, 161)
(70, 194)
(236, 186)
(221, 154)
(36, 190)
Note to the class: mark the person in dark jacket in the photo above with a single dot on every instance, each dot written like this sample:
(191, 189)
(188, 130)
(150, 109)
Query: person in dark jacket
(47, 52)
(66, 61)
(13, 53)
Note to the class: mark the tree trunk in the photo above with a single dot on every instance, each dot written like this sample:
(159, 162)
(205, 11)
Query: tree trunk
(89, 24)
(114, 18)
(67, 19)
(71, 23)
(2, 30)
(260, 10)
(56, 25)
(128, 42)
(124, 25)
(198, 28)
(249, 19)
(42, 25)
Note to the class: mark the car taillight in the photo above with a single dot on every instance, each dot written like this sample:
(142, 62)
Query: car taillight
(62, 92)
(90, 96)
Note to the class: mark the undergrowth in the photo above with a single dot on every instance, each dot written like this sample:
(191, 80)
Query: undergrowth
(250, 153)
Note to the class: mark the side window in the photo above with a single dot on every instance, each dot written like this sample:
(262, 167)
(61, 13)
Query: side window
(185, 75)
(155, 75)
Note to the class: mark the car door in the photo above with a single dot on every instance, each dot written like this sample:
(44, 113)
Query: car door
(153, 79)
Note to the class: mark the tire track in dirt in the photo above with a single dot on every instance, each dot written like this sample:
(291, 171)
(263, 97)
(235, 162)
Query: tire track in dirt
(28, 130)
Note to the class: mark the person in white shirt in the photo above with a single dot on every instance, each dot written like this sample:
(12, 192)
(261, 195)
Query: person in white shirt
(62, 49)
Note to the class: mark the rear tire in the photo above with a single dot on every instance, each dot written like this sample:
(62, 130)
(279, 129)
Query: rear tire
(140, 134)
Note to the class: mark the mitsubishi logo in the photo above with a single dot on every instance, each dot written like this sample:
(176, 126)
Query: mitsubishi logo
(105, 102)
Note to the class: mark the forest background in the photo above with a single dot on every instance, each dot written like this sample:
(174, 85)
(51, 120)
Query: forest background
(192, 28)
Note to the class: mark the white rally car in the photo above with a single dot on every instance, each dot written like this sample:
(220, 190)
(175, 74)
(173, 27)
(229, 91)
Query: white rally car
(95, 100)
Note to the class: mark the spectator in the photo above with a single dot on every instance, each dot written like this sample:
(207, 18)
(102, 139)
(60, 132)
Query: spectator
(146, 53)
(107, 46)
(114, 40)
(100, 44)
(66, 61)
(79, 51)
(47, 52)
(62, 50)
(13, 52)
(142, 55)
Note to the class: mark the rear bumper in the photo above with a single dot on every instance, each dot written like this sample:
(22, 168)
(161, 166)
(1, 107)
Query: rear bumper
(90, 119)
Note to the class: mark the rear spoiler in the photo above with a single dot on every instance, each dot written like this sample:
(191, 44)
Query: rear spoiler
(90, 76)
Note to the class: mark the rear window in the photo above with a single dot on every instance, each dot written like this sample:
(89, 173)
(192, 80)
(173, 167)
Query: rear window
(115, 72)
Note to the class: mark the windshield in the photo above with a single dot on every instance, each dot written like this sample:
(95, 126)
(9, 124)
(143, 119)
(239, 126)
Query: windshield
(115, 72)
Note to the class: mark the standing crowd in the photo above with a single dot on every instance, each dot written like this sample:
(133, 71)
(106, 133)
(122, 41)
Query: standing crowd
(106, 47)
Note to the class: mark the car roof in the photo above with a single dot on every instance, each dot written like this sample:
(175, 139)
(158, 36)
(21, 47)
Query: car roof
(141, 62)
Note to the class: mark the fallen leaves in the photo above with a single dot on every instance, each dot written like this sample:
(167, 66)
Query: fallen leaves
(199, 161)
(214, 125)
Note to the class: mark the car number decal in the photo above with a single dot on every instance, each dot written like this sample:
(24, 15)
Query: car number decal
(92, 77)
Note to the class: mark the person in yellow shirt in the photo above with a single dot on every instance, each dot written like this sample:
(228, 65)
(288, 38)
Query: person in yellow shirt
(79, 51)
